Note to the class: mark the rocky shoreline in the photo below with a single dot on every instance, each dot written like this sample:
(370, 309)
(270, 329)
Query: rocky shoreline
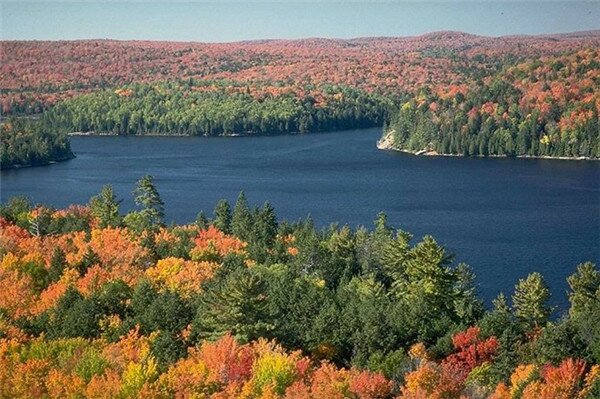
(387, 143)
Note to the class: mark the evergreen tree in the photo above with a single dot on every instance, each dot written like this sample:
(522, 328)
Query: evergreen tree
(394, 256)
(264, 231)
(342, 264)
(467, 306)
(585, 289)
(57, 264)
(499, 319)
(90, 258)
(427, 275)
(241, 221)
(202, 221)
(222, 219)
(238, 305)
(148, 198)
(530, 300)
(105, 207)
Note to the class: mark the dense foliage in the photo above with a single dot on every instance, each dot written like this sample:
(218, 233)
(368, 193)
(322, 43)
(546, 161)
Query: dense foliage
(31, 143)
(548, 107)
(98, 304)
(217, 108)
(453, 93)
(36, 74)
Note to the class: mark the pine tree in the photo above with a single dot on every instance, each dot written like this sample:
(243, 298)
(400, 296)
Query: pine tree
(202, 221)
(466, 304)
(222, 220)
(89, 259)
(148, 198)
(530, 300)
(381, 225)
(585, 288)
(394, 256)
(241, 221)
(57, 264)
(264, 231)
(105, 207)
(238, 305)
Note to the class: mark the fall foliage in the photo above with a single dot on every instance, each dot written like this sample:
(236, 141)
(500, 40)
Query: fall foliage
(192, 311)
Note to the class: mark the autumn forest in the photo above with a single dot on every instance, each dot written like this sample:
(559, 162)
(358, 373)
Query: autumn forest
(99, 304)
(446, 92)
(98, 301)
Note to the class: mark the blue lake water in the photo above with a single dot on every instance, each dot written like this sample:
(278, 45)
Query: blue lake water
(504, 217)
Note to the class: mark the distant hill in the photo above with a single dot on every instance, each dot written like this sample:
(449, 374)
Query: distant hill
(34, 75)
(446, 92)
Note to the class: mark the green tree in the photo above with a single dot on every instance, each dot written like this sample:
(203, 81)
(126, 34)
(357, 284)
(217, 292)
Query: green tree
(585, 307)
(530, 300)
(241, 221)
(105, 207)
(467, 306)
(238, 305)
(202, 221)
(75, 316)
(394, 256)
(341, 264)
(498, 320)
(585, 289)
(164, 312)
(57, 264)
(147, 197)
(263, 233)
(17, 211)
(222, 219)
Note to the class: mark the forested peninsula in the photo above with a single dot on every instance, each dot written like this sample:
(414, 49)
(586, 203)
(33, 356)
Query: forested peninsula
(444, 93)
(26, 143)
(547, 107)
(96, 303)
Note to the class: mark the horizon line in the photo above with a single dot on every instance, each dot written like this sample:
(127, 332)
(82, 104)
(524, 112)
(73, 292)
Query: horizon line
(591, 33)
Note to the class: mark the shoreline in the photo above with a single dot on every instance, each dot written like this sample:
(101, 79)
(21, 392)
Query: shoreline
(226, 135)
(385, 144)
(94, 134)
(52, 162)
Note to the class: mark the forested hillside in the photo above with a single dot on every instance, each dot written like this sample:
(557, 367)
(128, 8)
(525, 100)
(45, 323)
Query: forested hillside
(446, 92)
(99, 304)
(35, 75)
(548, 106)
(218, 108)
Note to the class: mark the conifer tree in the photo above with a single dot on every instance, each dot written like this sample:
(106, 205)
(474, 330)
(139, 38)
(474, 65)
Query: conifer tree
(530, 300)
(148, 198)
(57, 264)
(222, 219)
(105, 207)
(238, 305)
(241, 221)
(202, 221)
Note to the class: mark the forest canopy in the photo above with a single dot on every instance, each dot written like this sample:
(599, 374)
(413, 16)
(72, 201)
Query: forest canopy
(31, 143)
(548, 107)
(444, 92)
(96, 303)
(217, 108)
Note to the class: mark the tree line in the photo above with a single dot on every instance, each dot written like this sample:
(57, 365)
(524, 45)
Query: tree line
(542, 108)
(26, 142)
(193, 107)
(241, 304)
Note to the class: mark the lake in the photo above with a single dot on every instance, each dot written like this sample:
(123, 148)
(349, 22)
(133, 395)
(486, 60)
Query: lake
(504, 217)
